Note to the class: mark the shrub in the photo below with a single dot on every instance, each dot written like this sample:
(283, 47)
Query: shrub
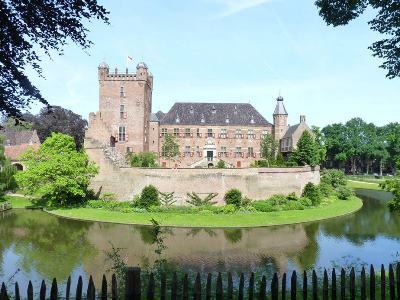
(107, 196)
(312, 192)
(333, 177)
(167, 199)
(293, 205)
(196, 200)
(264, 206)
(94, 204)
(149, 197)
(305, 202)
(246, 201)
(247, 209)
(292, 197)
(278, 199)
(394, 205)
(344, 193)
(221, 164)
(233, 196)
(229, 209)
(142, 159)
(326, 189)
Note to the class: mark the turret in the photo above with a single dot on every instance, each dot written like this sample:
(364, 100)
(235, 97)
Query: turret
(103, 70)
(142, 71)
(280, 119)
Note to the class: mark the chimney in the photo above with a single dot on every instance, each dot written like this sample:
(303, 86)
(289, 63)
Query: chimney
(302, 118)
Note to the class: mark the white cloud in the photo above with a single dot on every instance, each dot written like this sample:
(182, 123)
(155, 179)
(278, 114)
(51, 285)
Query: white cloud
(235, 6)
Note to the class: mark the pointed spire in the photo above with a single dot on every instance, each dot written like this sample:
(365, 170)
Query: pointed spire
(280, 108)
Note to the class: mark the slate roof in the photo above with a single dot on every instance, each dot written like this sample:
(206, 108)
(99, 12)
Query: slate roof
(280, 107)
(160, 115)
(291, 130)
(153, 117)
(200, 113)
(18, 137)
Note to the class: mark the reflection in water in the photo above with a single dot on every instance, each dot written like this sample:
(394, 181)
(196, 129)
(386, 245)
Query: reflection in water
(43, 246)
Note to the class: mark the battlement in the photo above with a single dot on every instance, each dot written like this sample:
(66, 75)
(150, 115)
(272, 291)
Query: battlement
(141, 73)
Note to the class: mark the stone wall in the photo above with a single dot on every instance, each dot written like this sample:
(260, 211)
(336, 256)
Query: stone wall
(255, 183)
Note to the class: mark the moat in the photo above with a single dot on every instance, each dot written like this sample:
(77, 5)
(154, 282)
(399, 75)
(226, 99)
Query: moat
(35, 245)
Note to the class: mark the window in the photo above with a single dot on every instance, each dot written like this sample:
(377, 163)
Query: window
(250, 134)
(121, 133)
(198, 149)
(198, 132)
(223, 150)
(129, 149)
(164, 131)
(187, 132)
(238, 151)
(209, 132)
(250, 151)
(223, 133)
(176, 131)
(238, 133)
(264, 133)
(122, 111)
(187, 150)
(121, 91)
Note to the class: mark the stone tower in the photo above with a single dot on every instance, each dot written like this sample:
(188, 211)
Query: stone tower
(280, 119)
(125, 100)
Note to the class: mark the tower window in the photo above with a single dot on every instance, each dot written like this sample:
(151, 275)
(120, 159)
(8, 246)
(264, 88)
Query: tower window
(121, 133)
(121, 91)
(122, 111)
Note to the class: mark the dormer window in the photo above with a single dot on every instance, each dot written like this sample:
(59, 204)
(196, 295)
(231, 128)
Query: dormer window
(177, 120)
(235, 111)
(191, 110)
(213, 110)
(227, 120)
(202, 119)
(252, 120)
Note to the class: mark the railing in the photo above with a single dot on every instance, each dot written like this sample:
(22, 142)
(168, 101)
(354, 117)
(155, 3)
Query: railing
(158, 286)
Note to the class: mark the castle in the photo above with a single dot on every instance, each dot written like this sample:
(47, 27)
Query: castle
(205, 132)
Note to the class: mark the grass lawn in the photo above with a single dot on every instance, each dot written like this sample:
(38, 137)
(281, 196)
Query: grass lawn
(363, 185)
(332, 208)
(18, 202)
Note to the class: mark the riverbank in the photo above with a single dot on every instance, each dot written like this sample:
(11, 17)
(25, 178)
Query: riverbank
(332, 209)
(354, 184)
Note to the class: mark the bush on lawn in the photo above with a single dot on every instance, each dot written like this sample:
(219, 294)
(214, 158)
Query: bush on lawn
(312, 192)
(333, 177)
(149, 197)
(234, 197)
(344, 193)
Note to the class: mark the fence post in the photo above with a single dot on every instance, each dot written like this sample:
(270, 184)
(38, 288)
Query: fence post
(150, 287)
(197, 288)
(241, 287)
(133, 286)
(54, 290)
(104, 288)
(352, 284)
(391, 283)
(284, 286)
(3, 292)
(114, 295)
(262, 288)
(17, 295)
(68, 288)
(79, 289)
(174, 287)
(185, 288)
(342, 284)
(30, 291)
(363, 285)
(305, 285)
(383, 283)
(42, 294)
(163, 286)
(372, 283)
(293, 288)
(398, 279)
(274, 287)
(230, 286)
(325, 286)
(219, 294)
(251, 286)
(334, 289)
(314, 285)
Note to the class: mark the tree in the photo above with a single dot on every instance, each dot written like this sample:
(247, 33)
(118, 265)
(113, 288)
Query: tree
(30, 29)
(57, 171)
(319, 143)
(393, 186)
(386, 22)
(7, 171)
(142, 159)
(149, 197)
(269, 148)
(196, 200)
(169, 148)
(307, 152)
(60, 120)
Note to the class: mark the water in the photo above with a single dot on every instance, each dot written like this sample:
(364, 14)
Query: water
(35, 245)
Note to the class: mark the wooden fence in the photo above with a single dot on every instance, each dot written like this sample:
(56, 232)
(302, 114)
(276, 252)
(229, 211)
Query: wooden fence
(385, 285)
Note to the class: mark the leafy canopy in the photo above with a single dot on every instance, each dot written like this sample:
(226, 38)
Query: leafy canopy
(170, 147)
(30, 29)
(57, 171)
(307, 152)
(269, 148)
(386, 22)
(7, 171)
(142, 159)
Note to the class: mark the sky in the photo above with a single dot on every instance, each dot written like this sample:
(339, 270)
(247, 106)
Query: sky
(232, 51)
